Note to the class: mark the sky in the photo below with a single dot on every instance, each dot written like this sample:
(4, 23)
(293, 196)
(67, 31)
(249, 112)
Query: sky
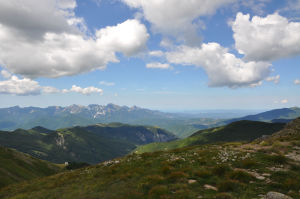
(158, 54)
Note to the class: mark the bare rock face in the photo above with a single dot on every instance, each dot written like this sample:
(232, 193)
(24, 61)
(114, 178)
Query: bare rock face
(276, 195)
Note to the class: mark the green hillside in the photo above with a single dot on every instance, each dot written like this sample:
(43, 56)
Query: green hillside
(236, 131)
(17, 167)
(215, 171)
(91, 144)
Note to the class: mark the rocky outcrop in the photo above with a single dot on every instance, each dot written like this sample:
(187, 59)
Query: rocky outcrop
(276, 195)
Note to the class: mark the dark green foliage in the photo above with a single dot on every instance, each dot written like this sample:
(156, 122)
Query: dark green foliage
(221, 170)
(91, 144)
(276, 159)
(241, 176)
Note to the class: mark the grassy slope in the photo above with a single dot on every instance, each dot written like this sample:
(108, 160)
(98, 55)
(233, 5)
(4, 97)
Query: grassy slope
(237, 131)
(241, 171)
(236, 170)
(17, 167)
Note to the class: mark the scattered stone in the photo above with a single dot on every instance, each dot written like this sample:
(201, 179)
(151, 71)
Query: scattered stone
(200, 197)
(260, 177)
(207, 186)
(191, 181)
(266, 174)
(276, 195)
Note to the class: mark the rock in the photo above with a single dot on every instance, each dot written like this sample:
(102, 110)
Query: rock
(276, 195)
(266, 174)
(260, 177)
(200, 197)
(210, 187)
(191, 181)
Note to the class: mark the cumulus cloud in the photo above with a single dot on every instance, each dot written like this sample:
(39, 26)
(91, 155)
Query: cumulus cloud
(156, 53)
(176, 17)
(5, 74)
(274, 79)
(17, 86)
(50, 90)
(30, 19)
(105, 83)
(129, 37)
(45, 39)
(222, 67)
(86, 91)
(157, 65)
(266, 38)
(297, 82)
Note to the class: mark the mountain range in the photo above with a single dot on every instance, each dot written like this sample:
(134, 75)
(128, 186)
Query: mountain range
(182, 125)
(91, 144)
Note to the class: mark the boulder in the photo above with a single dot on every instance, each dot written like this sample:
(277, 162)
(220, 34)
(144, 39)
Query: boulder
(276, 195)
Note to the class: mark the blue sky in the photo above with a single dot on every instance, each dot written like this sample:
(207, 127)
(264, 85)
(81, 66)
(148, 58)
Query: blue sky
(166, 55)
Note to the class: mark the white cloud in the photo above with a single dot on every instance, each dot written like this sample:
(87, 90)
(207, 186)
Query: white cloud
(257, 6)
(5, 74)
(176, 17)
(31, 19)
(105, 83)
(222, 67)
(256, 84)
(45, 39)
(274, 79)
(129, 37)
(284, 101)
(50, 90)
(157, 65)
(86, 91)
(297, 82)
(18, 86)
(266, 39)
(156, 53)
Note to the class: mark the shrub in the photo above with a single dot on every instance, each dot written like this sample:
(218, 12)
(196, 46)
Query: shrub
(166, 169)
(223, 196)
(229, 185)
(241, 176)
(248, 163)
(277, 159)
(158, 191)
(177, 176)
(203, 173)
(221, 170)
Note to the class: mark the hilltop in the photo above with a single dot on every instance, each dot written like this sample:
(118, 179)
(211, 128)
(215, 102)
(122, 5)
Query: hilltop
(240, 131)
(283, 115)
(228, 170)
